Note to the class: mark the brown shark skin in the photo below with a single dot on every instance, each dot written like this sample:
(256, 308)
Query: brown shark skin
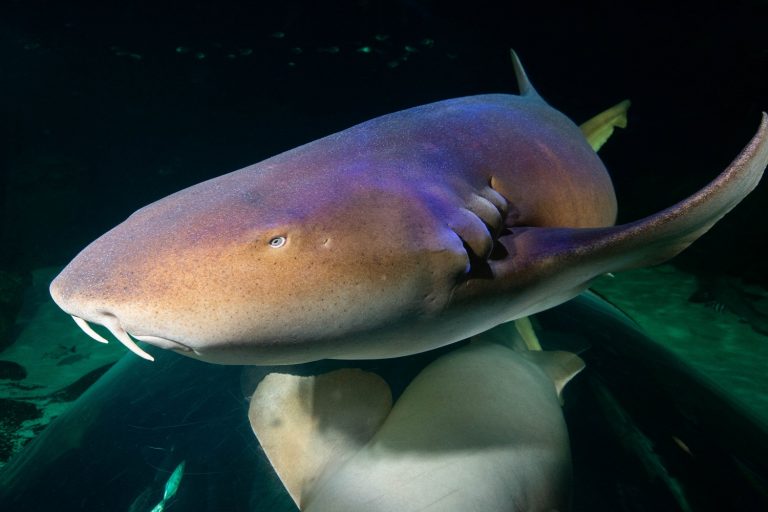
(403, 233)
(407, 177)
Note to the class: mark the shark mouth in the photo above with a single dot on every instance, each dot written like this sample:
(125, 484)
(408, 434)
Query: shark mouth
(113, 325)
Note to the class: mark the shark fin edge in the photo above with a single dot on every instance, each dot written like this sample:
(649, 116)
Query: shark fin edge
(599, 129)
(523, 83)
(308, 426)
(567, 259)
(559, 366)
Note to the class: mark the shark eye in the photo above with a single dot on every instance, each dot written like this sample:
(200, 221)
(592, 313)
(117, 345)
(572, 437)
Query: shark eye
(276, 242)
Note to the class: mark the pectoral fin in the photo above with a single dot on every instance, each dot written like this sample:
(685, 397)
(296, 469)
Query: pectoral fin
(559, 366)
(598, 129)
(551, 265)
(308, 426)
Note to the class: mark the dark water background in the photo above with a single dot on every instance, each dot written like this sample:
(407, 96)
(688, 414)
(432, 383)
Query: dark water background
(106, 106)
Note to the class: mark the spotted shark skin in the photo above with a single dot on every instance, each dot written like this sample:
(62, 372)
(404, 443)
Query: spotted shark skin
(396, 236)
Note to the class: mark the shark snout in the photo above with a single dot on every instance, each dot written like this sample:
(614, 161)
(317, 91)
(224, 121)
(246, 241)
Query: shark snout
(83, 315)
(84, 311)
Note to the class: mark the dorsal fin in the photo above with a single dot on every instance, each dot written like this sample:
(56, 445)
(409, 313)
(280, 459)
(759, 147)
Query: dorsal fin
(559, 366)
(310, 425)
(523, 84)
(598, 129)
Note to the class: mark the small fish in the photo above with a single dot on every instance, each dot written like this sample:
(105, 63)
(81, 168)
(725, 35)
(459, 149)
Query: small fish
(171, 486)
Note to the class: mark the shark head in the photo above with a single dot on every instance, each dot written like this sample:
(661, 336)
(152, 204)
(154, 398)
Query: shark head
(248, 267)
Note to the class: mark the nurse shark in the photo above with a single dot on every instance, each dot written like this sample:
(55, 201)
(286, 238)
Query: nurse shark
(479, 428)
(404, 233)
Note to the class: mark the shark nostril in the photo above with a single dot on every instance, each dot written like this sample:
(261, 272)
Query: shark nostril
(111, 322)
(88, 330)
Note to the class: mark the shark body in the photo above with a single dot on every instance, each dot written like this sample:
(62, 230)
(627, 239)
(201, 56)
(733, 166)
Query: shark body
(401, 234)
(480, 428)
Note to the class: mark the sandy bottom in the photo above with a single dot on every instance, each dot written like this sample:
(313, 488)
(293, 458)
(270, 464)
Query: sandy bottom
(716, 344)
(55, 354)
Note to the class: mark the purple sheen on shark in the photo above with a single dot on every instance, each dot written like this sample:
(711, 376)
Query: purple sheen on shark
(402, 234)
